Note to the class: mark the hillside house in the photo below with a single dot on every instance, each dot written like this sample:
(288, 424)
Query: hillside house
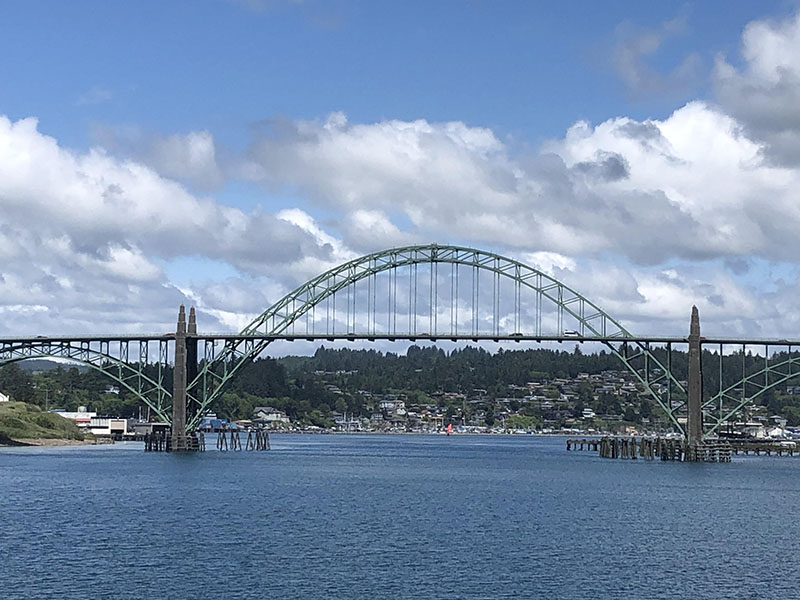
(268, 414)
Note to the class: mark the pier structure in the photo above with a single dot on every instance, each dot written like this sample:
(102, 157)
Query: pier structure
(652, 448)
(676, 449)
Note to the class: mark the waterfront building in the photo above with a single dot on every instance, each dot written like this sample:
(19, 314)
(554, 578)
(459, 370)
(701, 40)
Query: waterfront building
(108, 427)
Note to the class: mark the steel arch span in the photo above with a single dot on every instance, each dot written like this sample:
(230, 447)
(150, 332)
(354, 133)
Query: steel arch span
(537, 301)
(120, 369)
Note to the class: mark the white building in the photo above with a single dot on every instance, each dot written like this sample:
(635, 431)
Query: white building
(269, 414)
(397, 407)
(108, 426)
(3, 397)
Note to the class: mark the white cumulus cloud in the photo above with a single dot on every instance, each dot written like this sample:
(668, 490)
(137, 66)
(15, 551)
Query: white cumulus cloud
(85, 234)
(765, 93)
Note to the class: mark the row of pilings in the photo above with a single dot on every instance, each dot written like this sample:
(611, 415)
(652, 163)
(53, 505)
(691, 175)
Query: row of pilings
(257, 439)
(161, 440)
(652, 448)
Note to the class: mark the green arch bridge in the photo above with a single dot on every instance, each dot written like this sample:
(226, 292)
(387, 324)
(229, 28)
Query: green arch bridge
(422, 293)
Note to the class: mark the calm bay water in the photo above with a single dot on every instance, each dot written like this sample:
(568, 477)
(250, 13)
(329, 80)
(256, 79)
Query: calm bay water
(394, 517)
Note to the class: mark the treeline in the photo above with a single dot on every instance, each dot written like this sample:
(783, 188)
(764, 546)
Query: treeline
(431, 369)
(68, 387)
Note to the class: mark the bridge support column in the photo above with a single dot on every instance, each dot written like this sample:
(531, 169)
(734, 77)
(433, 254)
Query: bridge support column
(191, 357)
(179, 440)
(694, 420)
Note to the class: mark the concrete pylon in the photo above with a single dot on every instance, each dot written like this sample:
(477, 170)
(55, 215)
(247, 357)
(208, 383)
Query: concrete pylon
(694, 420)
(191, 357)
(192, 322)
(179, 441)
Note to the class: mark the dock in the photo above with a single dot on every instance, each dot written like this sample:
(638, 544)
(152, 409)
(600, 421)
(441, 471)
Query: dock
(769, 448)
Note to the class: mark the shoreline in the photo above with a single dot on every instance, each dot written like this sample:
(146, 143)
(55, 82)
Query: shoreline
(49, 442)
(437, 433)
(60, 442)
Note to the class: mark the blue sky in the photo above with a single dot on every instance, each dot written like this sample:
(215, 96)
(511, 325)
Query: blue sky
(526, 69)
(295, 120)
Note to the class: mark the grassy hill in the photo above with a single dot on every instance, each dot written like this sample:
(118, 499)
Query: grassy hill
(19, 421)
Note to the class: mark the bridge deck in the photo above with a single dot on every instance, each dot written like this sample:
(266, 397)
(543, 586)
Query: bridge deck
(314, 337)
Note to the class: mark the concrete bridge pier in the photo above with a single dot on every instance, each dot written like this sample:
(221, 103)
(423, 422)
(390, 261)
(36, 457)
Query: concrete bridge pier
(185, 362)
(694, 420)
(191, 357)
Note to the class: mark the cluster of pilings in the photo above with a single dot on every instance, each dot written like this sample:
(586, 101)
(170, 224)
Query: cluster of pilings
(161, 440)
(710, 452)
(158, 441)
(651, 448)
(257, 439)
(194, 442)
(622, 448)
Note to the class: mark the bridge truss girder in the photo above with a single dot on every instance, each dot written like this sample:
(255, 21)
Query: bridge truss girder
(655, 377)
(728, 401)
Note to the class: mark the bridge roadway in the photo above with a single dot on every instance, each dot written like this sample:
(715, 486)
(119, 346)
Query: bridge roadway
(316, 337)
